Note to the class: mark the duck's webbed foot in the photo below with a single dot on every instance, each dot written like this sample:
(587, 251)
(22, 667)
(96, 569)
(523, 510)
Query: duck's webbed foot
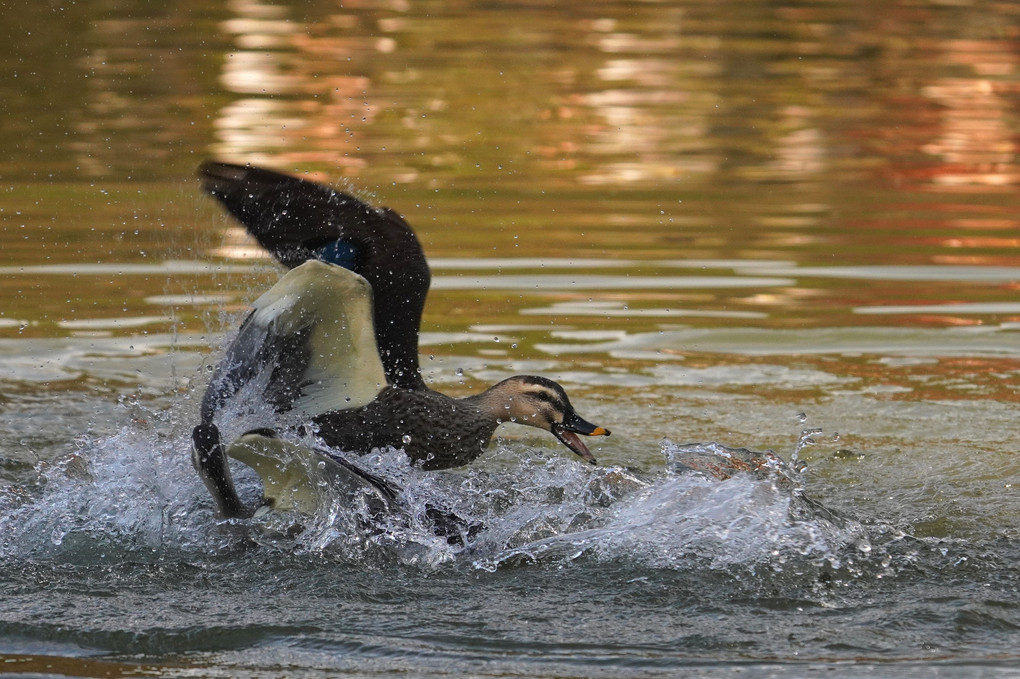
(210, 461)
(383, 501)
(446, 524)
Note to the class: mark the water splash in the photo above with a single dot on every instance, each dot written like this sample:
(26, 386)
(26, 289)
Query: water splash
(123, 497)
(134, 496)
(686, 518)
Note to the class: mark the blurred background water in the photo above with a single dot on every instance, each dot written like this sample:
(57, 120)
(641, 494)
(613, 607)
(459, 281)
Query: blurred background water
(780, 225)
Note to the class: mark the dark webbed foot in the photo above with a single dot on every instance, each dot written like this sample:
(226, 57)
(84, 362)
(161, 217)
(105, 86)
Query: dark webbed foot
(446, 524)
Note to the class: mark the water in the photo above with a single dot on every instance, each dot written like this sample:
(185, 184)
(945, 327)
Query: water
(786, 227)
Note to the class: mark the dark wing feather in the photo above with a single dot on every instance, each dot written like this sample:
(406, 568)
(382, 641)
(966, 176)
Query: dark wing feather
(297, 220)
(254, 351)
(290, 217)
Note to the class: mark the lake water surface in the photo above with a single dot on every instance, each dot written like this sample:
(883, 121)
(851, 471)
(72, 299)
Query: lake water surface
(785, 226)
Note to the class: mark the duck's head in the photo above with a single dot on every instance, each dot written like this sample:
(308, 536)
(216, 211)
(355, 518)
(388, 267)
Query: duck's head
(540, 402)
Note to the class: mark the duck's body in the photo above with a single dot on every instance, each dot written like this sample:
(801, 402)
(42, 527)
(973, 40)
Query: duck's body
(433, 430)
(311, 353)
(439, 432)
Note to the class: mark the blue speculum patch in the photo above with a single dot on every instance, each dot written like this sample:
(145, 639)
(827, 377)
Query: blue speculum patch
(339, 253)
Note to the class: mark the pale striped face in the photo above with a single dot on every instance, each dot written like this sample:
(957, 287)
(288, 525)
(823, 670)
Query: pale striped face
(540, 402)
(536, 401)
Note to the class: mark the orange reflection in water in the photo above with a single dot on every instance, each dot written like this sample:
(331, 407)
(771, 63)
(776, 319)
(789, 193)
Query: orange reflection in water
(296, 105)
(796, 106)
(960, 115)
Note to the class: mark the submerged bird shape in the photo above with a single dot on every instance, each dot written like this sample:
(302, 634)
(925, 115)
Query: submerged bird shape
(311, 346)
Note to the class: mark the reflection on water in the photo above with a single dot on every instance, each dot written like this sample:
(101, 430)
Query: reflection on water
(619, 95)
(828, 140)
(710, 221)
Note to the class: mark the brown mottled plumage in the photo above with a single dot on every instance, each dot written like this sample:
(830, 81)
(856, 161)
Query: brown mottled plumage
(330, 348)
(440, 432)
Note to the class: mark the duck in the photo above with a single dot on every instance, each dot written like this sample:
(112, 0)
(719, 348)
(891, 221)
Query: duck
(314, 358)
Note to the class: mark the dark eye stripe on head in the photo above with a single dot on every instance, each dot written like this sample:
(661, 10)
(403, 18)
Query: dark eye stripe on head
(547, 395)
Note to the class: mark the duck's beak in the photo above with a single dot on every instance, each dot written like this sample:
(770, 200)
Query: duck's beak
(567, 432)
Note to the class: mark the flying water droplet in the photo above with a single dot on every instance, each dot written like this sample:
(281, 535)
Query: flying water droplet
(806, 439)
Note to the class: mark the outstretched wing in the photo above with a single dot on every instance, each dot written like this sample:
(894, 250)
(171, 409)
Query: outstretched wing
(308, 346)
(298, 220)
(291, 217)
(304, 479)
